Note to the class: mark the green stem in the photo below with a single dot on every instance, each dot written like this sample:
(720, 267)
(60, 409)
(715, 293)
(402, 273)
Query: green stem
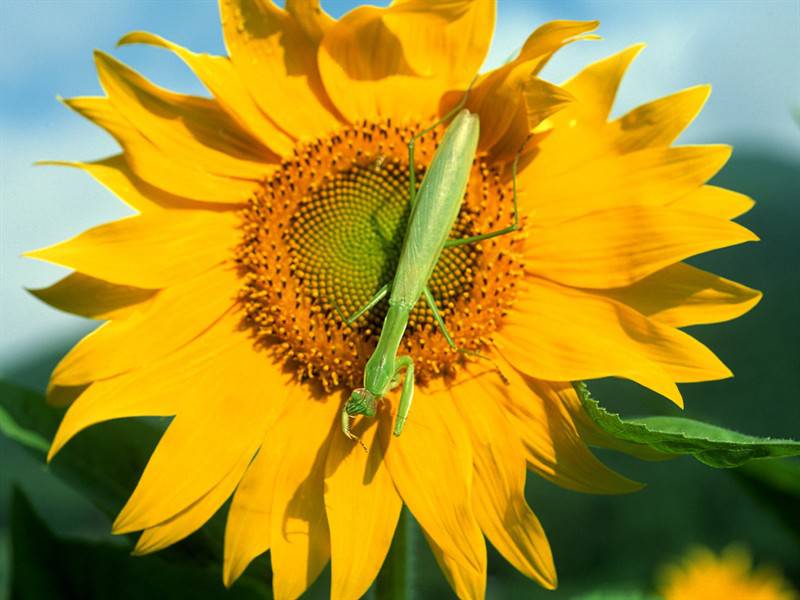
(397, 577)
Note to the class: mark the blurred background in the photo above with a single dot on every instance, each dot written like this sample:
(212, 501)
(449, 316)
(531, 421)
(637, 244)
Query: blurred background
(748, 51)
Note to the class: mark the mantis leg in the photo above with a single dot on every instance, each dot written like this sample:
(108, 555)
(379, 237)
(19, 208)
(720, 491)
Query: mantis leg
(438, 317)
(443, 328)
(406, 395)
(412, 175)
(373, 301)
(505, 230)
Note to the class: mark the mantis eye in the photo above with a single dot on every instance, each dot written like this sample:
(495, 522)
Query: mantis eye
(362, 402)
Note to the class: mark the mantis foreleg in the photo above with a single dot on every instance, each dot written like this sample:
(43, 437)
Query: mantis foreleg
(407, 395)
(505, 230)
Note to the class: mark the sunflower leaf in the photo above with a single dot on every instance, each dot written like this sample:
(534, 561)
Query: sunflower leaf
(46, 566)
(676, 436)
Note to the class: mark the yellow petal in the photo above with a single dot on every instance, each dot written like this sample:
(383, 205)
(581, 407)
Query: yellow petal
(115, 174)
(553, 447)
(175, 317)
(682, 295)
(248, 526)
(220, 77)
(153, 250)
(579, 133)
(248, 532)
(156, 390)
(398, 61)
(596, 86)
(192, 518)
(240, 390)
(438, 492)
(498, 490)
(658, 123)
(363, 506)
(191, 130)
(650, 177)
(527, 103)
(714, 201)
(299, 538)
(162, 170)
(551, 36)
(310, 17)
(586, 336)
(94, 298)
(500, 93)
(467, 582)
(276, 60)
(618, 247)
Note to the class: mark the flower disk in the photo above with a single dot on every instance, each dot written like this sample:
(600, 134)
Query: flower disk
(325, 233)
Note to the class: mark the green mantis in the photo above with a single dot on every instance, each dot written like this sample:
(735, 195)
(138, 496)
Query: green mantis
(434, 209)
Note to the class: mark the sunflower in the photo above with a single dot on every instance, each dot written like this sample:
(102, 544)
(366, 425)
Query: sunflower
(264, 209)
(703, 575)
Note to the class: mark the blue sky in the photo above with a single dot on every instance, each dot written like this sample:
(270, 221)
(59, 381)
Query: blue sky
(749, 51)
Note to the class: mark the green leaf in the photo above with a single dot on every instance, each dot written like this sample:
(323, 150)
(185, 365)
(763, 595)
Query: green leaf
(45, 566)
(676, 436)
(27, 438)
(103, 463)
(776, 484)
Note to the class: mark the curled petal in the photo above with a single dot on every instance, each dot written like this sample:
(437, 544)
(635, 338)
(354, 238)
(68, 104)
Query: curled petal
(190, 129)
(500, 94)
(164, 171)
(221, 78)
(276, 59)
(370, 58)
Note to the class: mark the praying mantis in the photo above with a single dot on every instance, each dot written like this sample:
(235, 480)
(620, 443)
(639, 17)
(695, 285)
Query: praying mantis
(434, 209)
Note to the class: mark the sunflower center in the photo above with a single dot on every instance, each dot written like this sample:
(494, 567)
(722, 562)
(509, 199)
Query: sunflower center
(325, 233)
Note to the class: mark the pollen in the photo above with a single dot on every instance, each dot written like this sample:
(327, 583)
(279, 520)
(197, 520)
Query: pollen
(324, 234)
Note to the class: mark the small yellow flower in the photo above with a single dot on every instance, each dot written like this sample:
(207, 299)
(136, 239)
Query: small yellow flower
(261, 210)
(703, 575)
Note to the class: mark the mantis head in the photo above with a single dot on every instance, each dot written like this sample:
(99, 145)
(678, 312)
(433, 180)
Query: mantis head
(361, 402)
